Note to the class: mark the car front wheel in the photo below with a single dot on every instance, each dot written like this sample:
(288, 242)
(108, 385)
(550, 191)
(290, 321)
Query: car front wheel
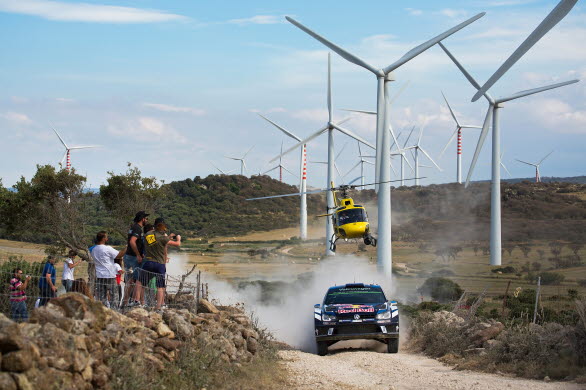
(322, 348)
(392, 345)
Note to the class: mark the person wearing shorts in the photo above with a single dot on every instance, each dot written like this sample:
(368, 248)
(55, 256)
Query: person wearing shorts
(156, 242)
(134, 257)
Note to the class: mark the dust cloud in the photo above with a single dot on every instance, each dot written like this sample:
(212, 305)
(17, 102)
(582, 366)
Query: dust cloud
(289, 313)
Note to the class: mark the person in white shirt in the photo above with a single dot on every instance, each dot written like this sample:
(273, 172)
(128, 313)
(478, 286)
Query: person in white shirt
(104, 256)
(70, 263)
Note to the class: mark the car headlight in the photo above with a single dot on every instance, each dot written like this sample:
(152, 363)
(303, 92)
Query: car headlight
(327, 317)
(385, 315)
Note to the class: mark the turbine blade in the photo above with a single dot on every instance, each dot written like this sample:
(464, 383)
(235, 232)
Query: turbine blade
(245, 154)
(408, 137)
(408, 163)
(297, 145)
(341, 150)
(270, 170)
(420, 134)
(535, 90)
(403, 88)
(539, 163)
(60, 139)
(84, 147)
(554, 17)
(64, 156)
(505, 168)
(214, 165)
(471, 127)
(359, 150)
(525, 162)
(360, 111)
(426, 45)
(356, 137)
(287, 132)
(343, 53)
(338, 171)
(430, 159)
(353, 168)
(285, 195)
(451, 111)
(368, 162)
(393, 169)
(464, 71)
(449, 142)
(481, 138)
(358, 178)
(289, 171)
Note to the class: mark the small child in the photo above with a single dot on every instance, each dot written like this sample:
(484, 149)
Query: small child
(119, 273)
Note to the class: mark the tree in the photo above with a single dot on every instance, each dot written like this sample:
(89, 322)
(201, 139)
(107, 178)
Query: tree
(509, 246)
(575, 247)
(475, 248)
(128, 193)
(555, 248)
(441, 289)
(526, 249)
(541, 254)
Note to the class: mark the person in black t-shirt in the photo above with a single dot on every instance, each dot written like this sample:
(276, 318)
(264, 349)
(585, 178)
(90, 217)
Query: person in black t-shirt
(134, 255)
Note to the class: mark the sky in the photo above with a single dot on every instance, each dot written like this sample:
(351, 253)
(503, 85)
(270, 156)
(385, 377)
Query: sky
(172, 85)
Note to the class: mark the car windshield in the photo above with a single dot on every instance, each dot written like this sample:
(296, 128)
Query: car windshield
(352, 215)
(355, 295)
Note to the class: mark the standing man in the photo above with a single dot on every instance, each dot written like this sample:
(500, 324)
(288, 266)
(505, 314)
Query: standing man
(70, 263)
(156, 257)
(104, 256)
(18, 296)
(47, 281)
(134, 254)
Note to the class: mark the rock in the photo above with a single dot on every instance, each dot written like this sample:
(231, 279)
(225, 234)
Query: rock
(155, 362)
(168, 344)
(10, 338)
(474, 351)
(100, 376)
(17, 361)
(6, 381)
(22, 382)
(206, 306)
(241, 319)
(87, 373)
(180, 326)
(490, 344)
(252, 345)
(487, 333)
(79, 307)
(547, 379)
(248, 333)
(164, 331)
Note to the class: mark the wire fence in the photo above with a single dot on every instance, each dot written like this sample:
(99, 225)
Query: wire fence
(176, 291)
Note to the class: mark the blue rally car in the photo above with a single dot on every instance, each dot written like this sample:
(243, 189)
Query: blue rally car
(356, 311)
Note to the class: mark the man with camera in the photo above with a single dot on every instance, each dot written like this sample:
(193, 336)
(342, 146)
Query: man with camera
(156, 243)
(18, 296)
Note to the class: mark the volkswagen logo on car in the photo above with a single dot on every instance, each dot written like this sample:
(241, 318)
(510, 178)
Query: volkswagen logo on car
(356, 316)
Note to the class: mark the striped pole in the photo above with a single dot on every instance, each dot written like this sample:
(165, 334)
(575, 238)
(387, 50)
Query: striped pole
(459, 157)
(302, 189)
(68, 163)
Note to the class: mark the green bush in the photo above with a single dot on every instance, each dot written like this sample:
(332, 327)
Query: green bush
(441, 289)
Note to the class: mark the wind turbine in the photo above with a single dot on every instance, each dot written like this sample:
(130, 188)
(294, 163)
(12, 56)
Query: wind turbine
(417, 148)
(242, 162)
(493, 113)
(303, 177)
(503, 165)
(221, 171)
(330, 127)
(383, 158)
(537, 175)
(68, 150)
(361, 164)
(458, 131)
(280, 167)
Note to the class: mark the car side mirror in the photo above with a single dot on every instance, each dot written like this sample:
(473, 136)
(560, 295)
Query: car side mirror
(317, 306)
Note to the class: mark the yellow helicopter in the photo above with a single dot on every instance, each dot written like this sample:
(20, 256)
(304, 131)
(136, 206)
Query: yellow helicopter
(349, 219)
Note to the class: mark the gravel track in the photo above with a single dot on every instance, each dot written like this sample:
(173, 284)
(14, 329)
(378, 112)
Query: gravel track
(368, 368)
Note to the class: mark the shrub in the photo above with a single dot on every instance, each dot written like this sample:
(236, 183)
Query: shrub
(551, 278)
(505, 270)
(441, 289)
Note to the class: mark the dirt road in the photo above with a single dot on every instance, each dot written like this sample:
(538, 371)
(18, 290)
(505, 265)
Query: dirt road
(367, 368)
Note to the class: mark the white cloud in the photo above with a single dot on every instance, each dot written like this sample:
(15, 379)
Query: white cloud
(146, 129)
(453, 13)
(414, 12)
(17, 118)
(86, 12)
(65, 100)
(498, 32)
(311, 115)
(557, 115)
(258, 19)
(170, 108)
(505, 3)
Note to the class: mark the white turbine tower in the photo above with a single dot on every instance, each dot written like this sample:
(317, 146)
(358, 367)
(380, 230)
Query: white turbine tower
(243, 167)
(557, 14)
(303, 178)
(68, 150)
(330, 127)
(383, 158)
(416, 149)
(536, 165)
(457, 132)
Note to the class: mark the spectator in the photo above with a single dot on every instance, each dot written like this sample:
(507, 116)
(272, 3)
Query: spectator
(18, 296)
(67, 278)
(156, 258)
(47, 281)
(134, 255)
(104, 256)
(119, 273)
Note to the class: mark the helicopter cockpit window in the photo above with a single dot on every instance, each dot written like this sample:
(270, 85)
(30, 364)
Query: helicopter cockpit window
(351, 216)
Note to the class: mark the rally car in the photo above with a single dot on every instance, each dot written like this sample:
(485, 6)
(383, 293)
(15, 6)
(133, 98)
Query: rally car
(356, 311)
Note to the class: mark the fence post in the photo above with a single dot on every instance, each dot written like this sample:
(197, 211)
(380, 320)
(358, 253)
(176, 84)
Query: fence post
(197, 294)
(505, 299)
(536, 298)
